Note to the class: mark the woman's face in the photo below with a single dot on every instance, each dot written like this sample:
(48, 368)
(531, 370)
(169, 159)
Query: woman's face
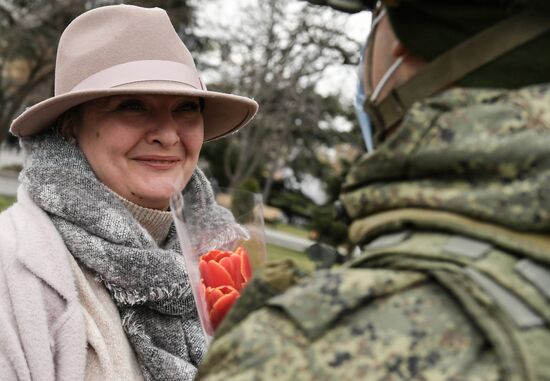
(143, 147)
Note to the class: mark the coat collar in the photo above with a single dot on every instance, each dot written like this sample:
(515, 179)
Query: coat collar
(531, 245)
(479, 153)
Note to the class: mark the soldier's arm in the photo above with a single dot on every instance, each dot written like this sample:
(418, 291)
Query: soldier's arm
(418, 333)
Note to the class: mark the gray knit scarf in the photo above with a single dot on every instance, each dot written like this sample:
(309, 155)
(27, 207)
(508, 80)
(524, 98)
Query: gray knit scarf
(148, 284)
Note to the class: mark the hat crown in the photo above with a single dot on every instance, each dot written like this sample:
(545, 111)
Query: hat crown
(108, 36)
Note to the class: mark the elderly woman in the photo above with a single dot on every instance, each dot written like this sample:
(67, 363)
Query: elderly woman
(92, 282)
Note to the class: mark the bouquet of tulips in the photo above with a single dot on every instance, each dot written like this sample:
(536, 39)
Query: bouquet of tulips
(221, 246)
(223, 275)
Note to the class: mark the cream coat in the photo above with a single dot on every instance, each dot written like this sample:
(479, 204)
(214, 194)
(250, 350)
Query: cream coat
(56, 322)
(43, 330)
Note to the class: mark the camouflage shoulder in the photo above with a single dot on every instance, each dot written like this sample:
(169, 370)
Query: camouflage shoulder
(273, 279)
(416, 332)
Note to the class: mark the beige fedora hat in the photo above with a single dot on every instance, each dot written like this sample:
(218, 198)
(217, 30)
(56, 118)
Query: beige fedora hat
(124, 49)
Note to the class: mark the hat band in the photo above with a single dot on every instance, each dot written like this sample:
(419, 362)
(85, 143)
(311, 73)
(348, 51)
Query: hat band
(141, 71)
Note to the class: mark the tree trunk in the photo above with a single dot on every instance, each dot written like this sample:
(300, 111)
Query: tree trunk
(266, 192)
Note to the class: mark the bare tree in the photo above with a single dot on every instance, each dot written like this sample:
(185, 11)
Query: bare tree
(276, 56)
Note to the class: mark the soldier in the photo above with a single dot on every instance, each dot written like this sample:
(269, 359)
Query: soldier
(451, 210)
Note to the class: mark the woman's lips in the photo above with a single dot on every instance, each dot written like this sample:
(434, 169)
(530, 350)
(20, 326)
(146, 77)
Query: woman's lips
(158, 162)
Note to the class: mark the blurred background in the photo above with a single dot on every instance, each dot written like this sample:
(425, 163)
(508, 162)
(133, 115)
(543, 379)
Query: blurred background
(298, 61)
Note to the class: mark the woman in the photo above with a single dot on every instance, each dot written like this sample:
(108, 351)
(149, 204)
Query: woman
(91, 277)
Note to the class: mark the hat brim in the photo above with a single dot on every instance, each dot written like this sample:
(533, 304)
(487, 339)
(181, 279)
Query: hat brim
(222, 114)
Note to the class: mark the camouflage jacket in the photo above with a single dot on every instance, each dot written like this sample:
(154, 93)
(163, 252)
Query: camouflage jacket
(453, 284)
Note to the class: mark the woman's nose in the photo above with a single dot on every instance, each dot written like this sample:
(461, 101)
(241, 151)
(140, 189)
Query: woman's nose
(163, 131)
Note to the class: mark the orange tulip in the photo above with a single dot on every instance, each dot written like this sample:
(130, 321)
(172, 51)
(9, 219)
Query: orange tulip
(224, 274)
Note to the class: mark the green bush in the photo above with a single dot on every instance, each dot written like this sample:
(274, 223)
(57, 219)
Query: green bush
(243, 202)
(5, 202)
(328, 228)
(251, 185)
(293, 203)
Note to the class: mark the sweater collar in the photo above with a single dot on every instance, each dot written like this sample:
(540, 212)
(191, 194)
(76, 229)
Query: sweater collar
(156, 222)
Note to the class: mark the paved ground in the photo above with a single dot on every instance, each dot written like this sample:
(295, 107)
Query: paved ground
(9, 158)
(286, 240)
(8, 185)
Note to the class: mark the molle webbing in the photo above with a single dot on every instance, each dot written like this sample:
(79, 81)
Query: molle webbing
(502, 292)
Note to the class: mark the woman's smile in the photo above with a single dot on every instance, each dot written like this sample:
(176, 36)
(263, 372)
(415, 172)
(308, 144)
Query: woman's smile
(159, 162)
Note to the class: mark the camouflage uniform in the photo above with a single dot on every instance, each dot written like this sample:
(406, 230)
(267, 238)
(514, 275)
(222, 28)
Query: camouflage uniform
(453, 213)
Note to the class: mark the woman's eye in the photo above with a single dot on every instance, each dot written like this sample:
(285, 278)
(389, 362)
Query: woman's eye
(190, 106)
(131, 105)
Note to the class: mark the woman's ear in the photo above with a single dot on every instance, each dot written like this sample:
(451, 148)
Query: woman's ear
(67, 124)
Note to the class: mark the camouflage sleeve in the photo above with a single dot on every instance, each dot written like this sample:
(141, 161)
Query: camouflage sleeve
(418, 333)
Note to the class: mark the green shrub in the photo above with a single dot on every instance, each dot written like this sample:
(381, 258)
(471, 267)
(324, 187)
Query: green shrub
(328, 228)
(243, 202)
(6, 201)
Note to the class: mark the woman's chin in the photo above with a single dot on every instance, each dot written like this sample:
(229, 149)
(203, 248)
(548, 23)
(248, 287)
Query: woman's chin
(161, 203)
(159, 199)
(153, 194)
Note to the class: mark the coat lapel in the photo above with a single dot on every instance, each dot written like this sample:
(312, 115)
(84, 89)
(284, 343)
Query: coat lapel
(43, 251)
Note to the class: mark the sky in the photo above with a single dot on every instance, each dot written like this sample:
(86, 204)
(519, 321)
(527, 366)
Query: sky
(345, 78)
